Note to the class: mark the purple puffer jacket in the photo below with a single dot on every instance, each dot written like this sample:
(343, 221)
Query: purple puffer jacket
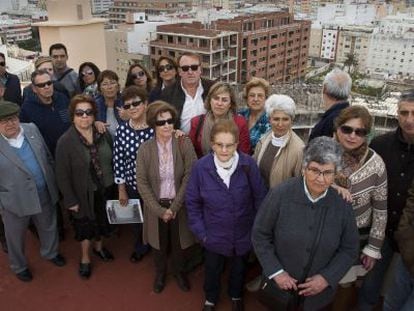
(220, 217)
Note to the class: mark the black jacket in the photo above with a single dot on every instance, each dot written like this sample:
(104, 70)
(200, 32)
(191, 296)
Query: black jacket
(13, 91)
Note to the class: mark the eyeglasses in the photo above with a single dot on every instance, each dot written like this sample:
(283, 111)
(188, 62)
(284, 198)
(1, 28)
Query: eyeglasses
(163, 122)
(256, 95)
(225, 146)
(405, 113)
(2, 64)
(186, 68)
(10, 119)
(138, 74)
(109, 84)
(87, 73)
(133, 104)
(166, 67)
(44, 84)
(315, 173)
(81, 113)
(348, 130)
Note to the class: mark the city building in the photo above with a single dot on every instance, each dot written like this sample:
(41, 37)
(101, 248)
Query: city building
(71, 23)
(99, 6)
(15, 30)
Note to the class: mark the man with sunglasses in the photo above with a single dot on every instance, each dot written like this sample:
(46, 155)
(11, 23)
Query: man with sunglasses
(397, 150)
(48, 109)
(11, 83)
(335, 92)
(188, 93)
(28, 190)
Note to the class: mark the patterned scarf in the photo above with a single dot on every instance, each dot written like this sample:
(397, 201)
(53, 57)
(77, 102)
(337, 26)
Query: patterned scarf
(352, 160)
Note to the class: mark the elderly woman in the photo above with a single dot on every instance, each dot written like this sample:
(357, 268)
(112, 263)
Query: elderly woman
(88, 74)
(223, 194)
(167, 74)
(255, 93)
(129, 137)
(220, 104)
(139, 75)
(279, 152)
(109, 103)
(163, 169)
(291, 218)
(85, 179)
(363, 174)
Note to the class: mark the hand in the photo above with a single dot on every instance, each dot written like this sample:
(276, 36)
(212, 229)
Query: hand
(101, 126)
(343, 192)
(166, 217)
(74, 208)
(123, 196)
(179, 133)
(313, 285)
(123, 114)
(367, 262)
(285, 281)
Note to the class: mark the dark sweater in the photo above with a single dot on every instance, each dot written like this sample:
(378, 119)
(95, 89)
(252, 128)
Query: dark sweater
(13, 91)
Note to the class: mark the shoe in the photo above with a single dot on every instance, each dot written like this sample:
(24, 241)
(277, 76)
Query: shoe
(182, 282)
(208, 308)
(254, 285)
(25, 275)
(135, 257)
(85, 270)
(58, 260)
(237, 305)
(4, 246)
(104, 254)
(159, 283)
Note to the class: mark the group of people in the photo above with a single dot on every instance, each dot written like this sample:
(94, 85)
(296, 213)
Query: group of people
(320, 216)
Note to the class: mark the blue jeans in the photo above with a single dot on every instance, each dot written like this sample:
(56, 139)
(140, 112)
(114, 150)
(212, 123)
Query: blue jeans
(370, 291)
(401, 294)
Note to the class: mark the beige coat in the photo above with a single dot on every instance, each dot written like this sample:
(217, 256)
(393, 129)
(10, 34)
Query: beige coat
(288, 160)
(148, 182)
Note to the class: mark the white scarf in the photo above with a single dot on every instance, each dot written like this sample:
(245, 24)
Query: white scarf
(16, 142)
(226, 169)
(279, 141)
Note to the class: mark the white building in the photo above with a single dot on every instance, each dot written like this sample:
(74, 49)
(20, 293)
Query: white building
(329, 43)
(15, 29)
(391, 51)
(98, 6)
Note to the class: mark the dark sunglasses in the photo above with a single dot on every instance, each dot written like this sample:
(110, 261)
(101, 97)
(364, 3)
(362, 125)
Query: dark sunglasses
(44, 84)
(163, 122)
(139, 74)
(80, 112)
(2, 64)
(133, 104)
(166, 67)
(87, 73)
(345, 129)
(188, 67)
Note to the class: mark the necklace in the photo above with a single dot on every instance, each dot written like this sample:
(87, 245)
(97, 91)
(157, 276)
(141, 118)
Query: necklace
(138, 126)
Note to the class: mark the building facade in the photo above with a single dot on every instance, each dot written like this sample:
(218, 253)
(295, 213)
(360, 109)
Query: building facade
(15, 30)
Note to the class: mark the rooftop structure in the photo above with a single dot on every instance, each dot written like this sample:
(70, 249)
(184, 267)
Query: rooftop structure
(15, 30)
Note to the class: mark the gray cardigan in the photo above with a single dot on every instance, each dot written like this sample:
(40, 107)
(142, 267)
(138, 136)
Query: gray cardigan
(285, 228)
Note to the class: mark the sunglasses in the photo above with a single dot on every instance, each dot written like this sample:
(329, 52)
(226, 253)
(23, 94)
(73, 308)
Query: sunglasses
(133, 104)
(44, 84)
(87, 73)
(348, 130)
(186, 68)
(163, 122)
(2, 64)
(166, 67)
(137, 75)
(81, 113)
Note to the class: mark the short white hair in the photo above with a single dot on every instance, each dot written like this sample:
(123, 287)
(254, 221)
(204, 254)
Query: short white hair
(337, 84)
(279, 102)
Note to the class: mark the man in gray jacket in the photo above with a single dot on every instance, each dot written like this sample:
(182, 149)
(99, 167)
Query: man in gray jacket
(27, 190)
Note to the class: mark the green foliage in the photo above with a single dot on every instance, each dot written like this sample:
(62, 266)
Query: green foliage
(31, 45)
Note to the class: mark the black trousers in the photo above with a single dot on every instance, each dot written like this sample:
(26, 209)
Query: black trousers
(169, 236)
(213, 268)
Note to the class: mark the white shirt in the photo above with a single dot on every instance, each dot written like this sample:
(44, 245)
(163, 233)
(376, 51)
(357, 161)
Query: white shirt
(192, 107)
(111, 120)
(16, 142)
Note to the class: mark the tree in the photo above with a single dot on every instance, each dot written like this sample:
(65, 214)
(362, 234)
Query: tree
(351, 62)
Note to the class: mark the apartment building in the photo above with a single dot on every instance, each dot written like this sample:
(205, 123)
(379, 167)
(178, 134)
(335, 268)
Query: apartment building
(15, 30)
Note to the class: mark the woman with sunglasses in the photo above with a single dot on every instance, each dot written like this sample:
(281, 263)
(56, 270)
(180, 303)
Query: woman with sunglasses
(88, 74)
(139, 75)
(167, 74)
(129, 137)
(163, 168)
(85, 179)
(220, 104)
(109, 103)
(363, 176)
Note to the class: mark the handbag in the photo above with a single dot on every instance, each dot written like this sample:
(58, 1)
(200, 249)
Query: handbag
(275, 298)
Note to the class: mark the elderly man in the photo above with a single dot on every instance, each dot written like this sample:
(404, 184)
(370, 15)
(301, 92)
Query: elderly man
(27, 190)
(336, 88)
(65, 75)
(11, 83)
(187, 95)
(48, 109)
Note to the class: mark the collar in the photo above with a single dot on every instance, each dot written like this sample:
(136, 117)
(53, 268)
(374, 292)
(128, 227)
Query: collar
(337, 106)
(200, 89)
(280, 141)
(16, 142)
(309, 195)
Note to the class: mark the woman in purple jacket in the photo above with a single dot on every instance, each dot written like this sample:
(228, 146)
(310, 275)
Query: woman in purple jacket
(223, 194)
